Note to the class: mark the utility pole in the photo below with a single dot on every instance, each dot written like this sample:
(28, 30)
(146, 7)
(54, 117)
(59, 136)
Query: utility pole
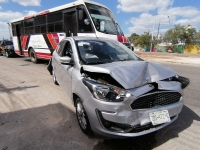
(169, 27)
(158, 29)
(169, 21)
(9, 30)
(151, 48)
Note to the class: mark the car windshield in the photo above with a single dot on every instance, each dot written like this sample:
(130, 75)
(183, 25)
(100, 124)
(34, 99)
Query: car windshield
(101, 51)
(8, 42)
(102, 15)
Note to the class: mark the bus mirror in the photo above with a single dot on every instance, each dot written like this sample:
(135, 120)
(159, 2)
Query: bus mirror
(102, 26)
(80, 14)
(87, 21)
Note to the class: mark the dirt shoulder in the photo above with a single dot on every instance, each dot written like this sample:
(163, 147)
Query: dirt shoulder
(192, 59)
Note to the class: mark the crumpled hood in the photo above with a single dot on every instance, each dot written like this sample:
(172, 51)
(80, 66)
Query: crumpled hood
(131, 74)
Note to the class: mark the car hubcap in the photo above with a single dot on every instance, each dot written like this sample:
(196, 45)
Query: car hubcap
(81, 115)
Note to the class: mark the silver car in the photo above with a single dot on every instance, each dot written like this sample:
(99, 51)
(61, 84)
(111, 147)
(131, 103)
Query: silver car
(116, 94)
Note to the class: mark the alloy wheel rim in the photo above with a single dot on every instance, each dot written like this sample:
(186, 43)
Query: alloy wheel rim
(81, 115)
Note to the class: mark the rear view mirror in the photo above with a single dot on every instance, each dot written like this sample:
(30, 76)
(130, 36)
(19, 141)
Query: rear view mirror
(87, 21)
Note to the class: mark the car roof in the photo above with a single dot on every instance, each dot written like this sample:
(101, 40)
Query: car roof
(88, 38)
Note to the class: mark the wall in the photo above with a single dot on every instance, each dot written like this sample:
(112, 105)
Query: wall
(192, 49)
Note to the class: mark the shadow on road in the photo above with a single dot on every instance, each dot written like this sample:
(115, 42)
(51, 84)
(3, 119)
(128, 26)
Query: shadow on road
(55, 127)
(51, 127)
(40, 61)
(18, 88)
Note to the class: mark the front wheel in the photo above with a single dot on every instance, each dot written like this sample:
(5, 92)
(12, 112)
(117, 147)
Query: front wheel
(82, 117)
(7, 54)
(33, 56)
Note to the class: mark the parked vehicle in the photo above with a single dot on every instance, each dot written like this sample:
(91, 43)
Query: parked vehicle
(116, 93)
(37, 36)
(6, 48)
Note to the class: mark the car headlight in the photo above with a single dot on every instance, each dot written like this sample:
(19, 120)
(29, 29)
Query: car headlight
(105, 92)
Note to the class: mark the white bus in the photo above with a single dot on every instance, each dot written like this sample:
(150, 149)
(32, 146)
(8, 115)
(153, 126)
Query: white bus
(37, 36)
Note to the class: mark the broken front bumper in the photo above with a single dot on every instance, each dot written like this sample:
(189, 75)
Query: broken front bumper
(121, 119)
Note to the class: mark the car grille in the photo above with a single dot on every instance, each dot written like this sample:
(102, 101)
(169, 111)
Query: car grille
(156, 99)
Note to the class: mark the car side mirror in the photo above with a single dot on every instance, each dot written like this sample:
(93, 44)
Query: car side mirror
(66, 60)
(86, 21)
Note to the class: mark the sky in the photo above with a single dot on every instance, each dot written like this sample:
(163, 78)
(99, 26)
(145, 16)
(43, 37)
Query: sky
(133, 16)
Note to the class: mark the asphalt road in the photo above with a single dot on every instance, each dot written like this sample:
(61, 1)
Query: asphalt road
(35, 114)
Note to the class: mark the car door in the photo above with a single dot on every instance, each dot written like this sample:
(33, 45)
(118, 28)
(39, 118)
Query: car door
(64, 72)
(56, 58)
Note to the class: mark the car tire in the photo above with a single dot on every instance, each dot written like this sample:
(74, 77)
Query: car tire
(54, 77)
(33, 56)
(7, 54)
(82, 118)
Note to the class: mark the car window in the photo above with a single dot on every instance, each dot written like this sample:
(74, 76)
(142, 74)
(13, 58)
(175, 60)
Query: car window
(67, 51)
(60, 47)
(8, 43)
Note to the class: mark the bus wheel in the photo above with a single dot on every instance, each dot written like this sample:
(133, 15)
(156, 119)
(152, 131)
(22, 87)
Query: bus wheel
(33, 56)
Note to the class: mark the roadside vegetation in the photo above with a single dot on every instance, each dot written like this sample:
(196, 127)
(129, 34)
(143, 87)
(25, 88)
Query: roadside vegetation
(179, 35)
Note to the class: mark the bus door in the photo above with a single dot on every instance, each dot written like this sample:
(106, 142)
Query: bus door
(18, 32)
(70, 22)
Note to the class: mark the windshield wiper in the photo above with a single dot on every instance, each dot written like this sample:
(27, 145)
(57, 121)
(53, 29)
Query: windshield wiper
(124, 59)
(96, 62)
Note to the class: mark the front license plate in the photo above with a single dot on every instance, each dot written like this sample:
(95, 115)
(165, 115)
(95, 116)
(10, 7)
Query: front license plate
(159, 117)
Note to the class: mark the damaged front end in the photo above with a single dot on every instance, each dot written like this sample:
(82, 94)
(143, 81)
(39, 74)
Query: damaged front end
(104, 87)
(128, 112)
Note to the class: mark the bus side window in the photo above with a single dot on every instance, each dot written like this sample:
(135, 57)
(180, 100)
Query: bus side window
(83, 27)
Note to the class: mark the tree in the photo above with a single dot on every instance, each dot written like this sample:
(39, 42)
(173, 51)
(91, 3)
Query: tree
(180, 34)
(190, 36)
(172, 35)
(133, 38)
(144, 39)
(197, 37)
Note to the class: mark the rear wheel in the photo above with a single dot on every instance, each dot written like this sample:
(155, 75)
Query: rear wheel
(33, 56)
(82, 117)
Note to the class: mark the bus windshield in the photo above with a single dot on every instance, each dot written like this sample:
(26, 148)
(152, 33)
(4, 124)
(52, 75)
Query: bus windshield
(101, 15)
